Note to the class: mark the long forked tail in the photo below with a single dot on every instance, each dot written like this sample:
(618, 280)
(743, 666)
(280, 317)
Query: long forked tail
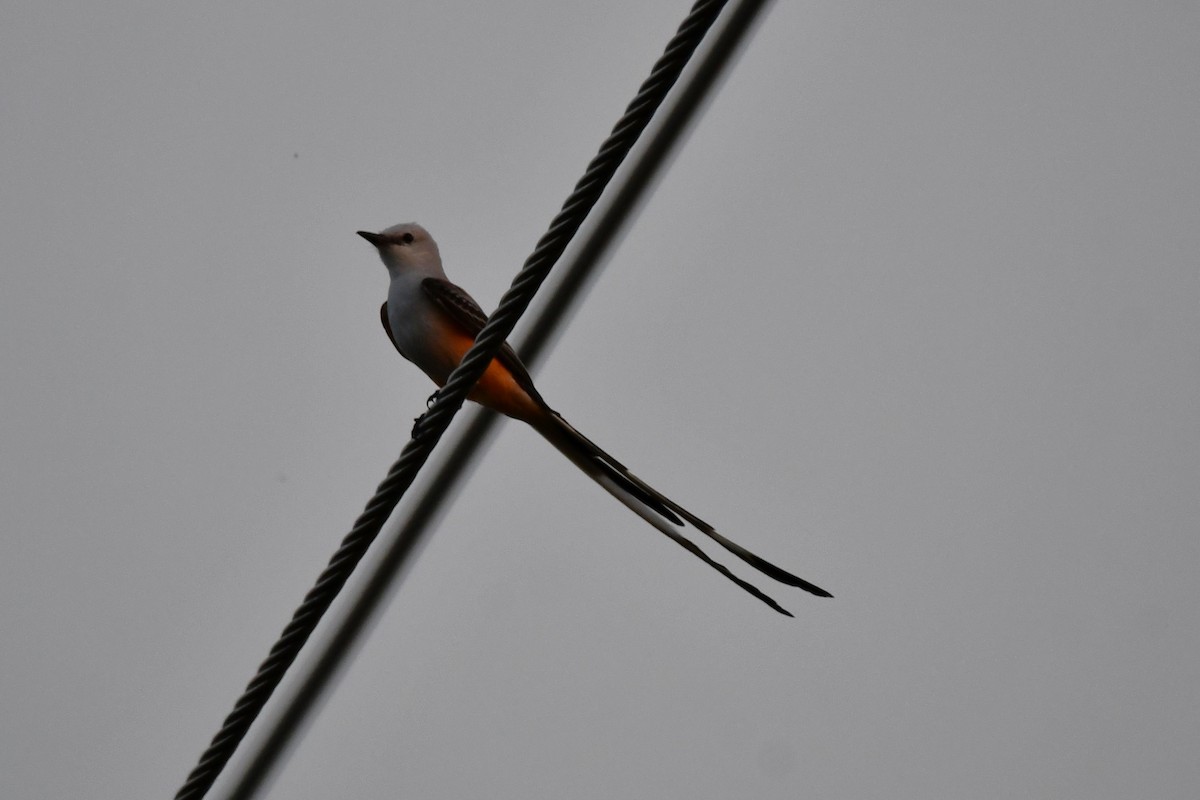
(659, 510)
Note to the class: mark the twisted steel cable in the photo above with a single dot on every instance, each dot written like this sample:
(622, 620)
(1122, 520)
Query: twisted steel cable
(451, 397)
(616, 209)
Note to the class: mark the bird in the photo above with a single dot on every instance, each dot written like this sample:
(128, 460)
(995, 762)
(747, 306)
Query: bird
(433, 322)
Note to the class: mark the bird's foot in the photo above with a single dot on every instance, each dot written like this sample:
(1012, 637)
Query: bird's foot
(429, 401)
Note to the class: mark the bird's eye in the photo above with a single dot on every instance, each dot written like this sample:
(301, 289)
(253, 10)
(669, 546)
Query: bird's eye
(407, 238)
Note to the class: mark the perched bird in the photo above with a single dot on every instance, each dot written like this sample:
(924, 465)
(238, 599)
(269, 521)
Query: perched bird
(433, 322)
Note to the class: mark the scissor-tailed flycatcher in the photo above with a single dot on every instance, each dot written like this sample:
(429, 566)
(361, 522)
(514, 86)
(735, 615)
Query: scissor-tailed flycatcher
(433, 323)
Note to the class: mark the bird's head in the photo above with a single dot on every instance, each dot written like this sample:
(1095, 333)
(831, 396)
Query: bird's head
(406, 247)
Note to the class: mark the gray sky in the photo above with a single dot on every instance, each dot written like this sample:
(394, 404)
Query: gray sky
(916, 314)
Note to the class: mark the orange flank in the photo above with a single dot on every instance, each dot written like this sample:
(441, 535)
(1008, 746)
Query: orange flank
(497, 389)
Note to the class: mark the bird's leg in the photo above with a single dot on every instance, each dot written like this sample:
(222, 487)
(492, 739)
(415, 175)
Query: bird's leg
(429, 401)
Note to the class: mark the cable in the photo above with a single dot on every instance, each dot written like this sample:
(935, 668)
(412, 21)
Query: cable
(269, 747)
(518, 297)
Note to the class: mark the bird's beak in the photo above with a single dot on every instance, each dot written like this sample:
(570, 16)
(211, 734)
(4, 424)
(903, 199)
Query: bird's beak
(374, 238)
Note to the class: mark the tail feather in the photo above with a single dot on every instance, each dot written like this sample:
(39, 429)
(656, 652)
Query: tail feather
(687, 544)
(628, 488)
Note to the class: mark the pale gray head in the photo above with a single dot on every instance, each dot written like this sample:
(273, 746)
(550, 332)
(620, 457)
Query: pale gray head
(406, 247)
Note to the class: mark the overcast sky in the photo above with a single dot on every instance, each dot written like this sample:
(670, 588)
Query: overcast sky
(915, 313)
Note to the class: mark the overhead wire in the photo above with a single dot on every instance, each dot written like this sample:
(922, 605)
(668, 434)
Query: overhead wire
(285, 726)
(451, 397)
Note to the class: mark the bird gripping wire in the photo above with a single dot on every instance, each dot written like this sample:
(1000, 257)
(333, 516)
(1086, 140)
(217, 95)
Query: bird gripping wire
(451, 397)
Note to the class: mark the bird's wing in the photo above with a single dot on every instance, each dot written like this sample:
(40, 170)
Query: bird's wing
(465, 312)
(387, 328)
